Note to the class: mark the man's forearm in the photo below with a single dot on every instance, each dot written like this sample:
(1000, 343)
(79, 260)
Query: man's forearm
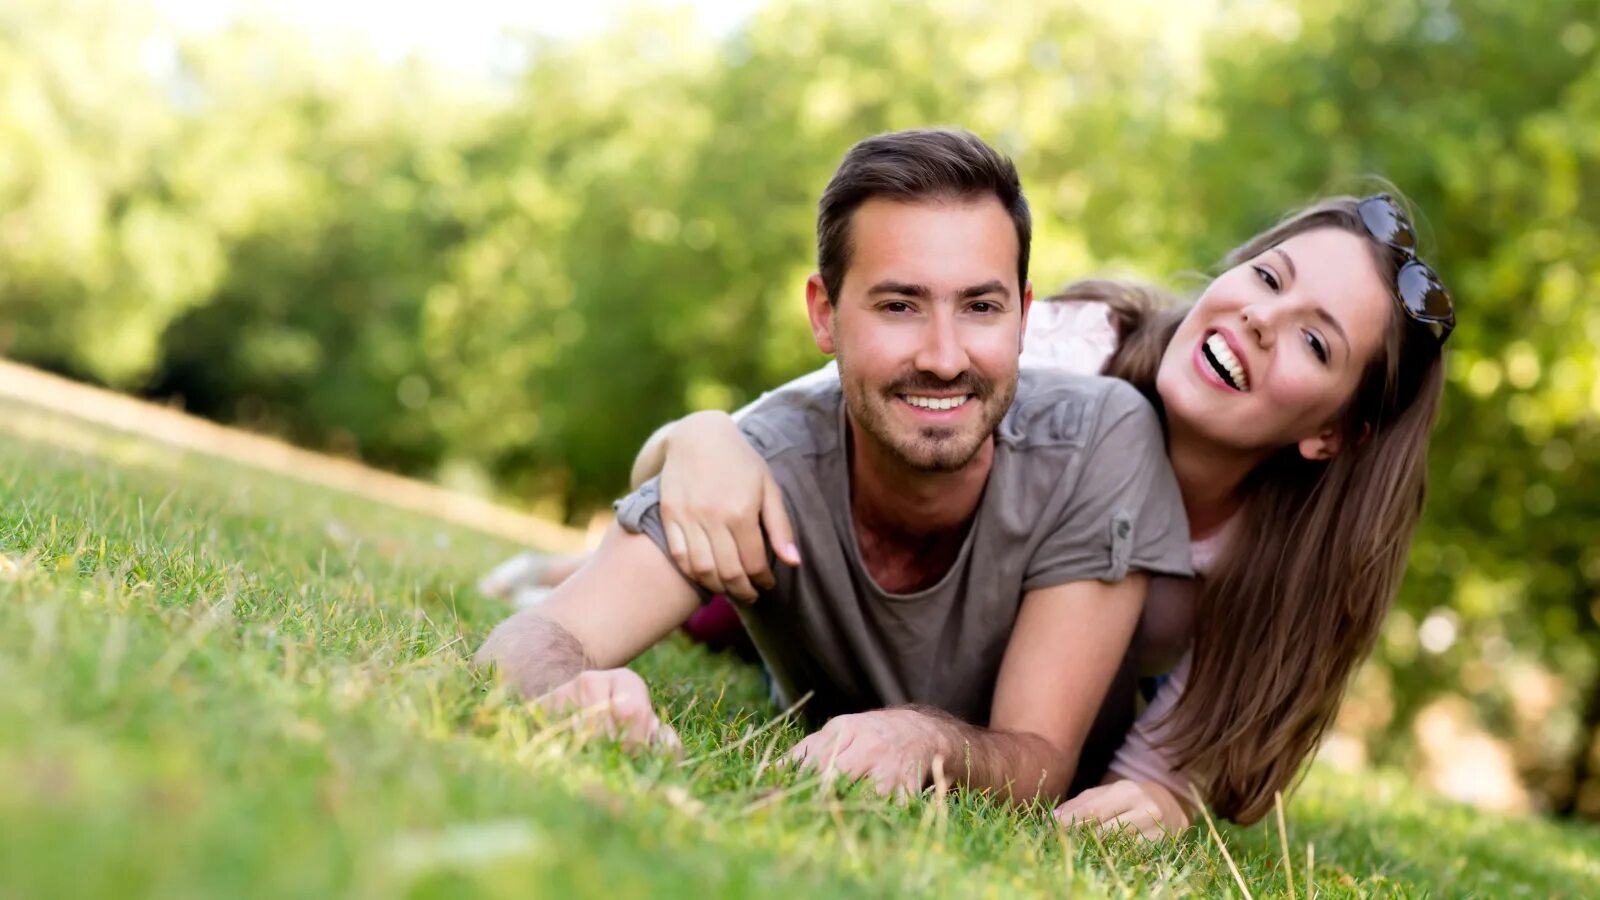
(1013, 765)
(534, 654)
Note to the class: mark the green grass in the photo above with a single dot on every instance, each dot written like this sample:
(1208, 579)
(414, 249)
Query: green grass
(218, 683)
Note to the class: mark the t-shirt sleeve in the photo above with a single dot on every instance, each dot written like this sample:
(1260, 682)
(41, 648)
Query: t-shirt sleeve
(825, 375)
(1125, 512)
(640, 513)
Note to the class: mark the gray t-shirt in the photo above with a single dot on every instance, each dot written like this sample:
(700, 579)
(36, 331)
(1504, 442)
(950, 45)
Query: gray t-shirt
(1080, 489)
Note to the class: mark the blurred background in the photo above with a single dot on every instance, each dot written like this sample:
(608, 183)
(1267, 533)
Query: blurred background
(494, 245)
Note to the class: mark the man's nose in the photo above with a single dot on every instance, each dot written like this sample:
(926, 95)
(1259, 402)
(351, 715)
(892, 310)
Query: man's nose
(941, 353)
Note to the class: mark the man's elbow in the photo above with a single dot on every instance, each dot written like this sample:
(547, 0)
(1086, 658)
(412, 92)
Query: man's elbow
(531, 653)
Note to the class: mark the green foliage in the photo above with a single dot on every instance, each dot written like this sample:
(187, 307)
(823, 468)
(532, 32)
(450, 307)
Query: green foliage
(223, 683)
(510, 286)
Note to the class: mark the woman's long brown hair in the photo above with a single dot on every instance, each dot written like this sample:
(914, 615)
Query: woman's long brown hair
(1295, 601)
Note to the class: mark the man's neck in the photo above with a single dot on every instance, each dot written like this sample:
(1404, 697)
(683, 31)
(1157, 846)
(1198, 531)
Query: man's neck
(910, 524)
(890, 497)
(1209, 477)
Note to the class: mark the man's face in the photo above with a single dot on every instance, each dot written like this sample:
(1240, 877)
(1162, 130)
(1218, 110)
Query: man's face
(927, 327)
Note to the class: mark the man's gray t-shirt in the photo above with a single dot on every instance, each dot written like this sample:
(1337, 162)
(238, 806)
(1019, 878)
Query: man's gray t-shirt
(1080, 489)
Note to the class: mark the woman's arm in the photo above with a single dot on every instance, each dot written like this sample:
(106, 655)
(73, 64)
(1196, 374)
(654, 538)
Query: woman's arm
(1144, 789)
(653, 455)
(720, 507)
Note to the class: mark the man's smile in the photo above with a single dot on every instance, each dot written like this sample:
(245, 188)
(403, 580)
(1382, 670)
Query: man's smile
(929, 403)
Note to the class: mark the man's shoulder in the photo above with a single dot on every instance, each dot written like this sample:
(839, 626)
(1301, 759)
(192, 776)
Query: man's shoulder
(802, 417)
(1056, 408)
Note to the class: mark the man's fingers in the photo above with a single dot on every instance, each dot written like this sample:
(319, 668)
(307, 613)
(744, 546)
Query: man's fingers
(775, 519)
(667, 737)
(730, 566)
(821, 750)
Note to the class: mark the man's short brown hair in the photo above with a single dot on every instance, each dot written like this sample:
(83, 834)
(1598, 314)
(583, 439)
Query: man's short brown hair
(908, 166)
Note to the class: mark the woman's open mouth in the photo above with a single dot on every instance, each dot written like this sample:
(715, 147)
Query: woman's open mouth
(1224, 362)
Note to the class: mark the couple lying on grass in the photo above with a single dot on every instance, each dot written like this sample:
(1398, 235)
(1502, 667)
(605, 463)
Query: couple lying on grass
(967, 551)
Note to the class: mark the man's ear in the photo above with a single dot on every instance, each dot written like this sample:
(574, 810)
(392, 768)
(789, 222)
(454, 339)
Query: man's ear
(1027, 304)
(820, 308)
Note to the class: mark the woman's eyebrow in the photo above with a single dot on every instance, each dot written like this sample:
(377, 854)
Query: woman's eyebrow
(1322, 311)
(1324, 315)
(1288, 263)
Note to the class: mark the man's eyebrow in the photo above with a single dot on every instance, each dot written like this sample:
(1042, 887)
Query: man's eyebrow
(988, 287)
(904, 288)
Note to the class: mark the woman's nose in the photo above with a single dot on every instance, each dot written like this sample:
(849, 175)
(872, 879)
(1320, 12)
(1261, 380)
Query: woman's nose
(1260, 324)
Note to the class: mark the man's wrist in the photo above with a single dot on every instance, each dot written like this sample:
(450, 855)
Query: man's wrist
(947, 739)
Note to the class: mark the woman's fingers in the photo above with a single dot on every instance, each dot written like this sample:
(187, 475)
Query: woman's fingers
(731, 567)
(677, 545)
(775, 519)
(702, 561)
(1120, 806)
(1096, 805)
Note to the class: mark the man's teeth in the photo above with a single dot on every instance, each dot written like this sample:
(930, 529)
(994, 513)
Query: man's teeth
(937, 402)
(1222, 354)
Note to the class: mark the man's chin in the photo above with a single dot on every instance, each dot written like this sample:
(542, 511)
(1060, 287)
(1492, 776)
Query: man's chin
(939, 453)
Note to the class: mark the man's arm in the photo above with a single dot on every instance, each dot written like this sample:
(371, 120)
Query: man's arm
(623, 600)
(1064, 651)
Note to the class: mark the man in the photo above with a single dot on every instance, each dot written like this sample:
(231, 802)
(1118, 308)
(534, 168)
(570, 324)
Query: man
(974, 543)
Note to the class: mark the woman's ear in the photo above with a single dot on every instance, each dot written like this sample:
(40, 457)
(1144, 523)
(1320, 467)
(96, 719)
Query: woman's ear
(1322, 446)
(1328, 444)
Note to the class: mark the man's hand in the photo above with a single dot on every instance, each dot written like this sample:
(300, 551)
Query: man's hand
(1143, 806)
(614, 703)
(895, 748)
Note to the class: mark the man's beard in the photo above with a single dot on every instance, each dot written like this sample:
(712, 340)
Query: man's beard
(928, 448)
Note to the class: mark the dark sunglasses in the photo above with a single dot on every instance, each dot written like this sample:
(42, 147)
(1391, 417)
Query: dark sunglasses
(1421, 292)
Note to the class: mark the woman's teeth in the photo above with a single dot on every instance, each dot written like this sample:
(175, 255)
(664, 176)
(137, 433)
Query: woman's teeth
(936, 403)
(1227, 365)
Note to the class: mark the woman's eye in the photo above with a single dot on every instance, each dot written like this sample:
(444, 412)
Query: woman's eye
(1317, 346)
(1267, 276)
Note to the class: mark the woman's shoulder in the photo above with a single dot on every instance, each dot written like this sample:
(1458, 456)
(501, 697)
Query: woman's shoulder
(1071, 335)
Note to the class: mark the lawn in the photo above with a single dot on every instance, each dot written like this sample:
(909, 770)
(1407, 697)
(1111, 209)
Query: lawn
(216, 682)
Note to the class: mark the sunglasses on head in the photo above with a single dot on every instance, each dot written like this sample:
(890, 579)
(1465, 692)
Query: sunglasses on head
(1421, 293)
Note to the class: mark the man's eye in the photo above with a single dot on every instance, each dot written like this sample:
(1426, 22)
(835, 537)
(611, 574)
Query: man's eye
(983, 306)
(1317, 346)
(897, 306)
(1267, 276)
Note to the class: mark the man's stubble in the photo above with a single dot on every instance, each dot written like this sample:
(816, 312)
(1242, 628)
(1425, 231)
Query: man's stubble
(933, 449)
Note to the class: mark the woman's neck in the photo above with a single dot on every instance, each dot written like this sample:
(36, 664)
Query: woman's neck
(1209, 477)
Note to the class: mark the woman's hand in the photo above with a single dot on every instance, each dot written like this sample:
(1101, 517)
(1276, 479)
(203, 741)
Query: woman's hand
(716, 496)
(1144, 806)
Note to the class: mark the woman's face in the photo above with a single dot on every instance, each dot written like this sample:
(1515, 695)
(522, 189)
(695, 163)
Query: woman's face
(1276, 346)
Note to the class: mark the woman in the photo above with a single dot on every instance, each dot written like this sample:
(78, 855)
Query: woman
(1298, 392)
